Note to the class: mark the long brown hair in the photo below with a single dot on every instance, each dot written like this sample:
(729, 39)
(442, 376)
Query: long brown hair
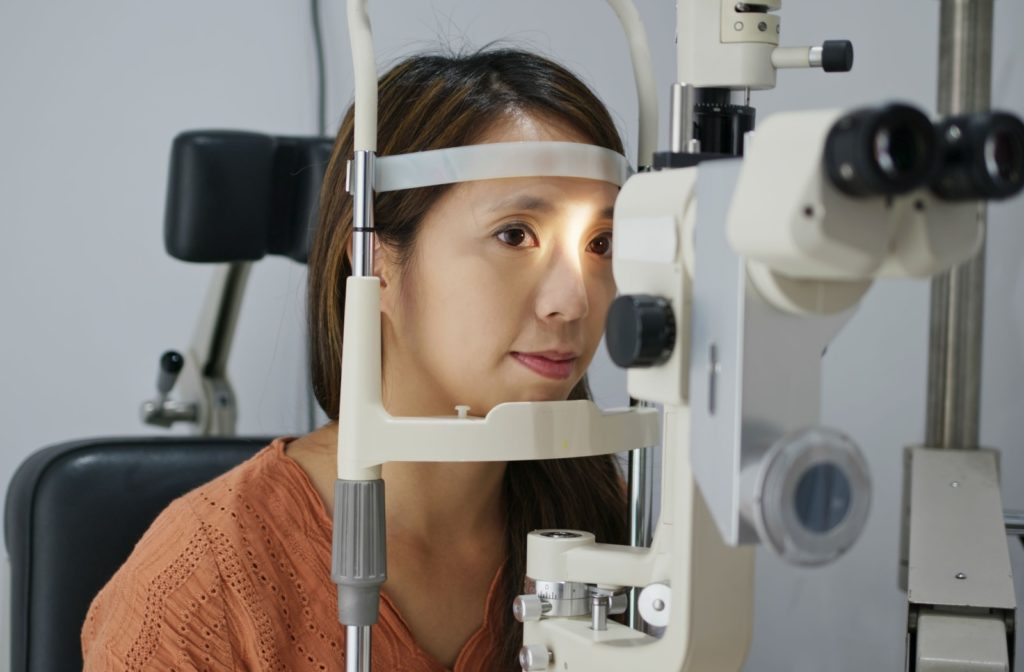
(432, 102)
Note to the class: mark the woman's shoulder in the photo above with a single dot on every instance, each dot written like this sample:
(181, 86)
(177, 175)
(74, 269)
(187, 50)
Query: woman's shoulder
(268, 490)
(185, 570)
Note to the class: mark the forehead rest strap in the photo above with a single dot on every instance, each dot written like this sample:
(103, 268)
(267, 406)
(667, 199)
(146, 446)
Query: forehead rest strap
(490, 161)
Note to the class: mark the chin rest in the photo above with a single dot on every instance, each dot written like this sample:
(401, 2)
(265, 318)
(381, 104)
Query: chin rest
(238, 196)
(74, 513)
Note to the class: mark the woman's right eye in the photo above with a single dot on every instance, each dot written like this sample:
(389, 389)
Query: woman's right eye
(516, 236)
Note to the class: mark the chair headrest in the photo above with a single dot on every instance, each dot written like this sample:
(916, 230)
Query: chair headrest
(238, 196)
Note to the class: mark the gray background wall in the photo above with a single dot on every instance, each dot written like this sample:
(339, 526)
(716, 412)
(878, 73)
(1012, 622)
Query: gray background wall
(91, 95)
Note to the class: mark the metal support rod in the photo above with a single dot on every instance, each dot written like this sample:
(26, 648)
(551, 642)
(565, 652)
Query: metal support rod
(357, 648)
(641, 512)
(1014, 523)
(361, 176)
(216, 342)
(957, 297)
(680, 120)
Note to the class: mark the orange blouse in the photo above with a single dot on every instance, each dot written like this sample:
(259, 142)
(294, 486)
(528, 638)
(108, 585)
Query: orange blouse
(236, 575)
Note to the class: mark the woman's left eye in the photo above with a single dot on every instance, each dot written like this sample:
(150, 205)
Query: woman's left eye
(516, 236)
(602, 245)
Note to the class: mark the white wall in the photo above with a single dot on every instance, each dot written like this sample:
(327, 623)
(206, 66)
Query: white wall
(91, 95)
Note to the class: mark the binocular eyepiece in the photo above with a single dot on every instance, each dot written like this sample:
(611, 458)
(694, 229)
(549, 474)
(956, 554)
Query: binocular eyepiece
(894, 149)
(982, 156)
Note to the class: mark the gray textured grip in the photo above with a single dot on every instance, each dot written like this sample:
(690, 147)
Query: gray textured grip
(359, 553)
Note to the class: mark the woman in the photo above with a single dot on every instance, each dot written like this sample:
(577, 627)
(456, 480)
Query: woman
(491, 291)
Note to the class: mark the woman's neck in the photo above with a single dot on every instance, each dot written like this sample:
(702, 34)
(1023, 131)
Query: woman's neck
(461, 502)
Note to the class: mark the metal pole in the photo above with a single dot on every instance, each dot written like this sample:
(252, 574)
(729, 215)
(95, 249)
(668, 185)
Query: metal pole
(361, 186)
(1014, 523)
(680, 120)
(357, 648)
(958, 297)
(641, 512)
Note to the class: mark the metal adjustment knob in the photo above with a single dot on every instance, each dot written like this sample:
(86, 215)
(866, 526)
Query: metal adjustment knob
(640, 331)
(837, 56)
(162, 411)
(534, 657)
(171, 363)
(529, 608)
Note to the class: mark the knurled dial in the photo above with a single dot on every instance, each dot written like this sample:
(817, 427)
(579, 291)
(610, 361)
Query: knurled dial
(640, 331)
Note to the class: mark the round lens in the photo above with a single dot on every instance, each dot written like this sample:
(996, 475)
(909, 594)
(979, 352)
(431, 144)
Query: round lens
(1004, 155)
(822, 497)
(897, 150)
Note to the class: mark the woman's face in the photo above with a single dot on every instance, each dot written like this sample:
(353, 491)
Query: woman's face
(505, 296)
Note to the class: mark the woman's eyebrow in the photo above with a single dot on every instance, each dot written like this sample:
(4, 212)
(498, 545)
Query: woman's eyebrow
(524, 202)
(528, 203)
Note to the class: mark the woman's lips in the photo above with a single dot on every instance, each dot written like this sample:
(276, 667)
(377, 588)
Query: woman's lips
(550, 365)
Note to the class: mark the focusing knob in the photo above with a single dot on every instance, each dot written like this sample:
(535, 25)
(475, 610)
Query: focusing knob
(641, 331)
(534, 658)
(529, 608)
(837, 56)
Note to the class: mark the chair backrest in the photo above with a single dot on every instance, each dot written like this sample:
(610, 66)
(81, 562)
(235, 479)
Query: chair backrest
(74, 512)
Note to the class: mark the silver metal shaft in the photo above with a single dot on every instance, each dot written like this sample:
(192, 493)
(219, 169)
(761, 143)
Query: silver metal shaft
(357, 642)
(680, 119)
(362, 213)
(641, 511)
(958, 297)
(1014, 523)
(357, 648)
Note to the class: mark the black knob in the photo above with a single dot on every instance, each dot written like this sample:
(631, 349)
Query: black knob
(640, 331)
(837, 56)
(170, 366)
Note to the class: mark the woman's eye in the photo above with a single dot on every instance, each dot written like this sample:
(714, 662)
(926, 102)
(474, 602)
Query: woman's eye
(601, 246)
(515, 236)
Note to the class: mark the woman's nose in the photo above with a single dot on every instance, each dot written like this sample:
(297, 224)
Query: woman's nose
(562, 293)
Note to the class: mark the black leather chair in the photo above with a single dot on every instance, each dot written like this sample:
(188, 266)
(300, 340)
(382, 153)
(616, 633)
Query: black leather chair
(73, 514)
(74, 511)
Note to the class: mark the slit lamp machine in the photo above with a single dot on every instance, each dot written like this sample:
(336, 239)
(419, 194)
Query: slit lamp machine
(739, 255)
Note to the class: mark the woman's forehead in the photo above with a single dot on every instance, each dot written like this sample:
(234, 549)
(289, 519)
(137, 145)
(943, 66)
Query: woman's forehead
(524, 126)
(543, 195)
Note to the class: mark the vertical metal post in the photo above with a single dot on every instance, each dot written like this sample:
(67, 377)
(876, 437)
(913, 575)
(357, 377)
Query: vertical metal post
(958, 297)
(641, 511)
(680, 120)
(357, 648)
(361, 187)
(371, 561)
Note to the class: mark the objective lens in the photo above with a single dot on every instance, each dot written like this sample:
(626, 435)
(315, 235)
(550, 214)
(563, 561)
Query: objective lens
(822, 498)
(809, 496)
(982, 157)
(880, 151)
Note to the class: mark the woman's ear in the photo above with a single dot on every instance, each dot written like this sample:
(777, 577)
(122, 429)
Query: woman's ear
(383, 264)
(386, 268)
(379, 265)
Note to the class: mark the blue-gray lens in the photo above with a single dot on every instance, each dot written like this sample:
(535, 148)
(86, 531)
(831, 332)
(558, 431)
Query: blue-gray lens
(822, 497)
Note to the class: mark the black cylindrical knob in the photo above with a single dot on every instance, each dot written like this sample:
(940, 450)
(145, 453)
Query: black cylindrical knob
(641, 331)
(170, 366)
(837, 56)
